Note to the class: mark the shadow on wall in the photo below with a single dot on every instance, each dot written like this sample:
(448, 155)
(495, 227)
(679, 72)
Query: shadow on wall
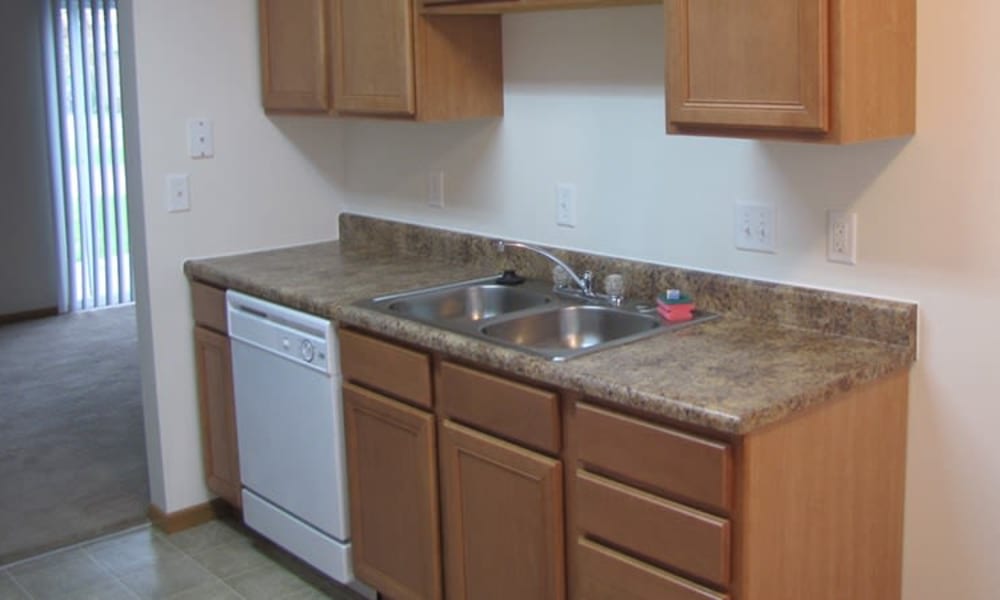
(817, 177)
(391, 160)
(584, 50)
(319, 140)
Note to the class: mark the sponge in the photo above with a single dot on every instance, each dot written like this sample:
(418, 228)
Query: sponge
(675, 306)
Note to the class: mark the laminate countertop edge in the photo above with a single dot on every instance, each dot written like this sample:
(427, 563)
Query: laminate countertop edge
(731, 375)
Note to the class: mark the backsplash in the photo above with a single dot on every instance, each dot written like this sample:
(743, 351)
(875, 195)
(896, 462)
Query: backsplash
(884, 321)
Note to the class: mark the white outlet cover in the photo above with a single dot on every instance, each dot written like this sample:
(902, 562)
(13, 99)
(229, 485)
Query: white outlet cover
(842, 237)
(754, 228)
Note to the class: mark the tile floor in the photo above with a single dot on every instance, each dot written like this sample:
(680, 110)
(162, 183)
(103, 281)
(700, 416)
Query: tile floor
(220, 560)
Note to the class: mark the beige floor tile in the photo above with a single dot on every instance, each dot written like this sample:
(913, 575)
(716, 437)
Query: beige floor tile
(209, 535)
(213, 590)
(67, 574)
(133, 550)
(268, 583)
(233, 558)
(9, 589)
(166, 577)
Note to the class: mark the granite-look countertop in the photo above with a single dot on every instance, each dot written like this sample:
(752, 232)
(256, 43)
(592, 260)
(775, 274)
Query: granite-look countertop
(731, 374)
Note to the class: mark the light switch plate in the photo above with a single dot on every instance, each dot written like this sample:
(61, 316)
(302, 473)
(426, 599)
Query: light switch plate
(435, 189)
(565, 205)
(178, 193)
(754, 227)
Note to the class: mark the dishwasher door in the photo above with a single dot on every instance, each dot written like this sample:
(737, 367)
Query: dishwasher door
(289, 417)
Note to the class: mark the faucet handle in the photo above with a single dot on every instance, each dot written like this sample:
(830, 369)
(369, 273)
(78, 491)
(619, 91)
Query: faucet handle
(560, 278)
(614, 287)
(588, 282)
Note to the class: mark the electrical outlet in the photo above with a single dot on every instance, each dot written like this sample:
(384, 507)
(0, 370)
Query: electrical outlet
(565, 205)
(435, 189)
(178, 193)
(754, 228)
(842, 237)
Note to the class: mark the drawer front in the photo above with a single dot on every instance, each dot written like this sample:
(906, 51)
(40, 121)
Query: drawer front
(653, 457)
(208, 304)
(513, 410)
(674, 535)
(608, 575)
(388, 368)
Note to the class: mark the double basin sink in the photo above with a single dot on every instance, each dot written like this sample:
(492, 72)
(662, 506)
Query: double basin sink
(530, 317)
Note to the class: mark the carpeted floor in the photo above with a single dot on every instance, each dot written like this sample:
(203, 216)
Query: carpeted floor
(72, 448)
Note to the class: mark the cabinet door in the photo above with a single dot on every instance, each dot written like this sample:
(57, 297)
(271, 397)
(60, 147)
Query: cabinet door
(393, 495)
(218, 414)
(748, 63)
(373, 56)
(294, 55)
(503, 516)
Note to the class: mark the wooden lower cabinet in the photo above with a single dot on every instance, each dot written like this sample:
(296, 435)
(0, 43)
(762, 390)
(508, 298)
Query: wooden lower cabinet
(216, 404)
(503, 519)
(606, 574)
(392, 479)
(218, 414)
(624, 508)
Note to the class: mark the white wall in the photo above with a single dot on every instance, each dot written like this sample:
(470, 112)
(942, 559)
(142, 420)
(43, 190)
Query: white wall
(273, 182)
(584, 104)
(28, 271)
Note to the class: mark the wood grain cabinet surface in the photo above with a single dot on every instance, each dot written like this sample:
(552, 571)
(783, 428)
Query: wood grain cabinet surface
(295, 56)
(456, 499)
(379, 58)
(393, 487)
(216, 404)
(815, 70)
(503, 519)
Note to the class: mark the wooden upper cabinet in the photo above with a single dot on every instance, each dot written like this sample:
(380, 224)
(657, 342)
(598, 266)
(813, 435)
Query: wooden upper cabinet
(373, 56)
(751, 63)
(390, 61)
(294, 55)
(819, 70)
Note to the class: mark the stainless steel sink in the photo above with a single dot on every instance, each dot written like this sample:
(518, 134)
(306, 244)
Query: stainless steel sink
(530, 317)
(567, 330)
(474, 302)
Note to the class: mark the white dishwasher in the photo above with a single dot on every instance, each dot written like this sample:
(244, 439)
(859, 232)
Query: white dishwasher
(289, 423)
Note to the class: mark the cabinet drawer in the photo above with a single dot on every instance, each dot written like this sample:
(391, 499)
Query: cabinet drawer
(394, 370)
(208, 304)
(513, 410)
(667, 533)
(650, 456)
(609, 575)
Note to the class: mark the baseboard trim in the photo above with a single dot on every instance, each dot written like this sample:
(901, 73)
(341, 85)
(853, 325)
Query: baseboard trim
(189, 517)
(29, 315)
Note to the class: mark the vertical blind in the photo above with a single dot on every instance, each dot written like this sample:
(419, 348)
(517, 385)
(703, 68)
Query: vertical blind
(88, 153)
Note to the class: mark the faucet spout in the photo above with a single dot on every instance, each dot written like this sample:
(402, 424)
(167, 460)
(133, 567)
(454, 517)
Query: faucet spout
(585, 283)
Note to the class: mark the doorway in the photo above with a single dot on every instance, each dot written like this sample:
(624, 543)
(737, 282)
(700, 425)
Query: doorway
(72, 448)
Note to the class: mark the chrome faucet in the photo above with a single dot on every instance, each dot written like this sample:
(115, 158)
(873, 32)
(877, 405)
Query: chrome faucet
(584, 284)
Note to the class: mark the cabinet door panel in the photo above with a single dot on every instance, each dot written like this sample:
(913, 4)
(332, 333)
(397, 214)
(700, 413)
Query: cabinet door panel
(503, 519)
(218, 417)
(748, 63)
(294, 55)
(392, 481)
(373, 56)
